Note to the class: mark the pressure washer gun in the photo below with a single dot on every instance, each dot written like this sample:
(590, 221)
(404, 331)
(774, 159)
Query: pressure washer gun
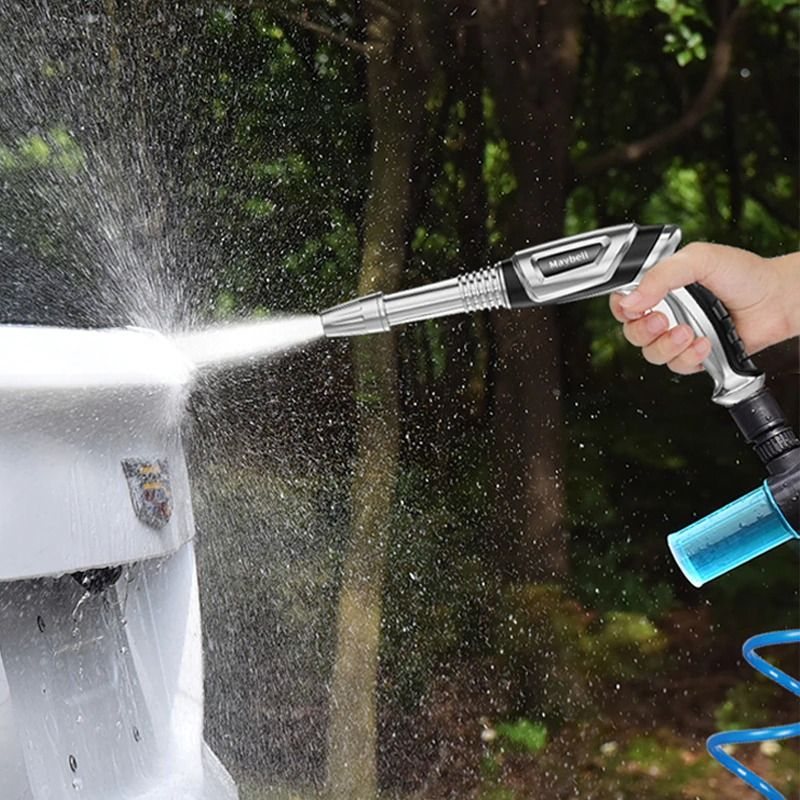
(615, 260)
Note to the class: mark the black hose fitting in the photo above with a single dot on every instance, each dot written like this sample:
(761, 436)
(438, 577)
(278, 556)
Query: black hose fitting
(785, 489)
(763, 425)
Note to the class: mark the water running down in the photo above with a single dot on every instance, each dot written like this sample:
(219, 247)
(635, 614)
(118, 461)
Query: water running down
(247, 341)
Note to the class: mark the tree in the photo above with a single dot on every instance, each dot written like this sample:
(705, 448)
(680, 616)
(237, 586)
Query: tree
(531, 58)
(398, 69)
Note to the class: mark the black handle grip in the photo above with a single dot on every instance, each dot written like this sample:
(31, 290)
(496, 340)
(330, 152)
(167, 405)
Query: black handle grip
(721, 320)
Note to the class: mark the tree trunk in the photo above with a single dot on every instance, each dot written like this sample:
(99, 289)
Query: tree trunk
(532, 53)
(397, 77)
(473, 232)
(532, 57)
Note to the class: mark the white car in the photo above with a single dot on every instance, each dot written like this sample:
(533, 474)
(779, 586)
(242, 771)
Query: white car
(101, 685)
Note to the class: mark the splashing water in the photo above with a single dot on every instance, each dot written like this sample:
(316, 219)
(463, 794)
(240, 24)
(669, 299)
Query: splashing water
(49, 359)
(236, 344)
(112, 219)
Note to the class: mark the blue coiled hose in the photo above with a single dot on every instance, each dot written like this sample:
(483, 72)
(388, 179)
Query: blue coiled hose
(719, 740)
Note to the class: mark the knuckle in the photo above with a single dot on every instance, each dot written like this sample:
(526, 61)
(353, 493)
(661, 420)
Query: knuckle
(698, 255)
(651, 282)
(664, 349)
(684, 364)
(654, 354)
(679, 369)
(636, 333)
(698, 251)
(616, 309)
(689, 360)
(656, 282)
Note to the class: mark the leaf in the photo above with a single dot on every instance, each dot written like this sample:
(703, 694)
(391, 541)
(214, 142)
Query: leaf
(35, 149)
(630, 8)
(779, 5)
(524, 735)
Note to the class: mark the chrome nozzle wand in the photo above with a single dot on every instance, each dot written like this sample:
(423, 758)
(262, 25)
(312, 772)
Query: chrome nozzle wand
(599, 262)
(596, 263)
(377, 312)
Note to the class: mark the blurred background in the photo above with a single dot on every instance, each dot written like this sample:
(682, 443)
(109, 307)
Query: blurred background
(433, 564)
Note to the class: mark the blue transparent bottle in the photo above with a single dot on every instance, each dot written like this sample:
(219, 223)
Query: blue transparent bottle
(730, 536)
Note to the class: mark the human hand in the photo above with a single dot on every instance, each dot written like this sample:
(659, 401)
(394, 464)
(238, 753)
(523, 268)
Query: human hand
(762, 296)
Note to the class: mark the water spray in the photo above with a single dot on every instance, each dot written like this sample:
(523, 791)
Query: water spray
(615, 260)
(247, 342)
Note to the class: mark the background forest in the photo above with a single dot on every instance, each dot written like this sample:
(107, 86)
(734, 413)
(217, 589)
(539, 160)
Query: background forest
(433, 563)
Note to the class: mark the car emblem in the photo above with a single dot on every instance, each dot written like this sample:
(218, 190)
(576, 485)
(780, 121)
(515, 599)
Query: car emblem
(151, 493)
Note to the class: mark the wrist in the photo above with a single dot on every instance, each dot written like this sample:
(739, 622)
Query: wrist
(787, 292)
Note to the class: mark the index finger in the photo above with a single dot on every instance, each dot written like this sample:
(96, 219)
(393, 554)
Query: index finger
(619, 314)
(686, 266)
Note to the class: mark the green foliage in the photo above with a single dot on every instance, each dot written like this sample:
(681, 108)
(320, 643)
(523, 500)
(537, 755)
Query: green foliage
(57, 150)
(224, 304)
(681, 38)
(607, 582)
(682, 41)
(627, 645)
(679, 10)
(500, 180)
(41, 201)
(581, 213)
(436, 348)
(627, 8)
(686, 44)
(522, 735)
(497, 793)
(747, 705)
(498, 174)
(777, 5)
(537, 619)
(659, 767)
(295, 194)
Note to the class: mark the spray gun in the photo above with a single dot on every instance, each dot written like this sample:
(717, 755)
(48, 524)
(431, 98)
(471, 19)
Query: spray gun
(615, 260)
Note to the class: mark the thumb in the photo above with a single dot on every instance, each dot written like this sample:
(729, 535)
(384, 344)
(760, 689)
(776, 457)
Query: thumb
(689, 265)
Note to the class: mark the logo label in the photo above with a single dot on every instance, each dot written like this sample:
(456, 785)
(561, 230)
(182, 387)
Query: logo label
(572, 259)
(151, 493)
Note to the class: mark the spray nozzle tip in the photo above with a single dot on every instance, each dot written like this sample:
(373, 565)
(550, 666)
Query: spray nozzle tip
(365, 314)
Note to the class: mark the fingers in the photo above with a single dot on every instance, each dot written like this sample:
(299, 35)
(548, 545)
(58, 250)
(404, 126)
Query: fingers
(687, 266)
(670, 346)
(678, 348)
(616, 309)
(691, 359)
(646, 330)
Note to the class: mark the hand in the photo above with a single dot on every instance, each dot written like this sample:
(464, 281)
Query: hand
(762, 296)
